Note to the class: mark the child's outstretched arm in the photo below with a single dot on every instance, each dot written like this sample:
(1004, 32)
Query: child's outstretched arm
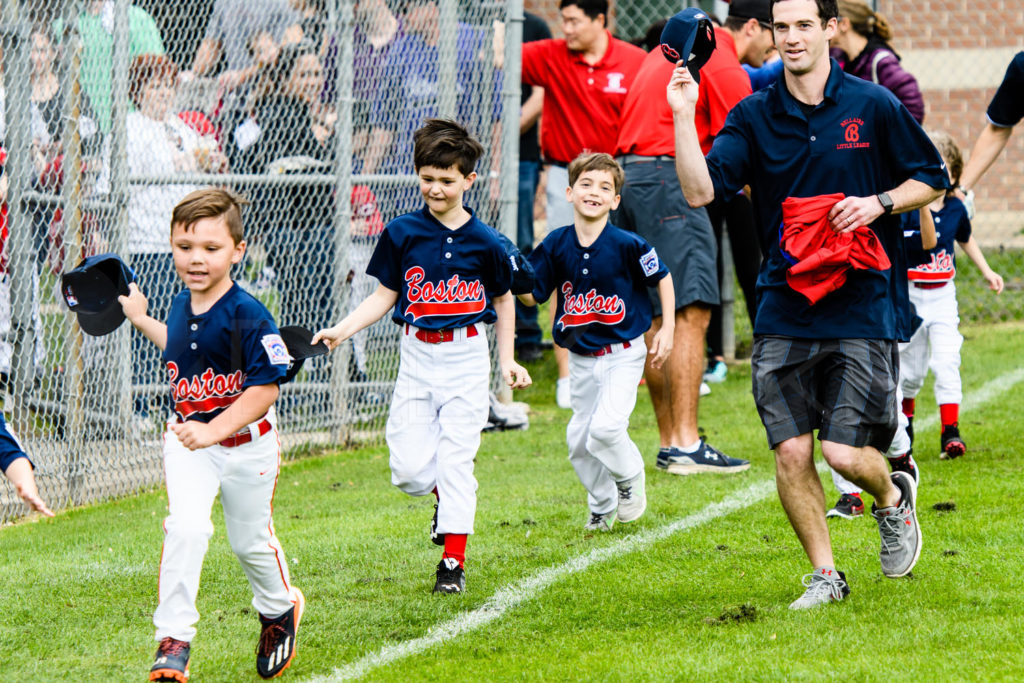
(20, 474)
(372, 309)
(928, 237)
(995, 280)
(661, 345)
(134, 307)
(515, 375)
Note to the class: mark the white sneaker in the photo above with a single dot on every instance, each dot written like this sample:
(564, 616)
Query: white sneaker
(562, 393)
(632, 498)
(599, 522)
(704, 389)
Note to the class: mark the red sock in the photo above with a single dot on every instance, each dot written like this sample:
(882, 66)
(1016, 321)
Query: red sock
(949, 413)
(908, 407)
(455, 547)
(435, 493)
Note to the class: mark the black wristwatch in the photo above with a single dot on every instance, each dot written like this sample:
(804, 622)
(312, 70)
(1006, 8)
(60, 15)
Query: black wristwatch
(885, 201)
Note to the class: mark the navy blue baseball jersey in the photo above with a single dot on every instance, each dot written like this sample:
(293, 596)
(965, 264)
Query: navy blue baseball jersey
(213, 357)
(602, 289)
(444, 278)
(937, 264)
(1007, 106)
(860, 140)
(10, 448)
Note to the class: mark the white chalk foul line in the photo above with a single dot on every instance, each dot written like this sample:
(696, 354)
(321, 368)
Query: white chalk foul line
(529, 588)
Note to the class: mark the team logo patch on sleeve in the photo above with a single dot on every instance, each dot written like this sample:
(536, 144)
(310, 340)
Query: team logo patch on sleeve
(276, 350)
(649, 262)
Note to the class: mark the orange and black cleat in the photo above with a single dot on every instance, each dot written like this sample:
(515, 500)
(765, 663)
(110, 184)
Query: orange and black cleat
(171, 661)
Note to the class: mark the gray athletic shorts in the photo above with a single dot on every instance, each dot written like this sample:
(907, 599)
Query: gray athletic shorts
(654, 207)
(844, 388)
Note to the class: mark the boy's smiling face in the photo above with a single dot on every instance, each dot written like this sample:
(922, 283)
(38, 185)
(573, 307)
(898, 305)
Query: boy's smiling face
(593, 194)
(442, 188)
(204, 253)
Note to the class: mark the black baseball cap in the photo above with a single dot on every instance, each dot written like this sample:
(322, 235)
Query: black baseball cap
(689, 36)
(297, 339)
(91, 292)
(752, 9)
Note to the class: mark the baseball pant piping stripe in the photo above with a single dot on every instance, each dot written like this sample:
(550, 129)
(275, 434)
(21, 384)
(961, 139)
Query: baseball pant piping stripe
(270, 521)
(513, 595)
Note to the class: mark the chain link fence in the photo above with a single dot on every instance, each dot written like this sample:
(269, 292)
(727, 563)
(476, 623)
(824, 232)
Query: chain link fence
(112, 111)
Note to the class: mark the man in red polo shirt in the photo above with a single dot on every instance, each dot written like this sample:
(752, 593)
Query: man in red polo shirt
(653, 205)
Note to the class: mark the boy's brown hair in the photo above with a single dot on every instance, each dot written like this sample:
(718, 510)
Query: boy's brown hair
(951, 154)
(443, 143)
(211, 202)
(598, 161)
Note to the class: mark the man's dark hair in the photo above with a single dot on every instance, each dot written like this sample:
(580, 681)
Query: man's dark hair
(827, 9)
(592, 8)
(443, 143)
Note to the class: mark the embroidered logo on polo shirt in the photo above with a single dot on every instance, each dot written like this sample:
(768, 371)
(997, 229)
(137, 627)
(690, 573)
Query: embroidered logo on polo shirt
(851, 134)
(615, 83)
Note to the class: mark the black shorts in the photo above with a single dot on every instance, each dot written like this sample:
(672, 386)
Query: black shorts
(844, 388)
(653, 206)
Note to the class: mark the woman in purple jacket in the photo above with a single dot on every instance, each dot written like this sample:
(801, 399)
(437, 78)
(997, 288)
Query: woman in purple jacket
(861, 46)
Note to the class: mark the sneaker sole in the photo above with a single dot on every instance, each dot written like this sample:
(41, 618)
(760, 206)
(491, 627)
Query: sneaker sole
(842, 515)
(917, 527)
(952, 451)
(632, 518)
(169, 675)
(696, 469)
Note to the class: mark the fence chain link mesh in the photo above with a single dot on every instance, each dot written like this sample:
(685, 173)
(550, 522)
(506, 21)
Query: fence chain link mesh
(113, 111)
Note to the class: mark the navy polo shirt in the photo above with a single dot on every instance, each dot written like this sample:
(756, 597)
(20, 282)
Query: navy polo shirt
(1007, 106)
(859, 141)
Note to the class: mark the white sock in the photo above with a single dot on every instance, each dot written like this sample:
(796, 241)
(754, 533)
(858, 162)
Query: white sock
(692, 448)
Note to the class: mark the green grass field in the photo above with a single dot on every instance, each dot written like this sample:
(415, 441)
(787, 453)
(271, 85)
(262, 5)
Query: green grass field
(689, 592)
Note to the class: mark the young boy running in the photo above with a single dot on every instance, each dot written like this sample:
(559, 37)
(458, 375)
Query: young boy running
(445, 274)
(600, 274)
(224, 358)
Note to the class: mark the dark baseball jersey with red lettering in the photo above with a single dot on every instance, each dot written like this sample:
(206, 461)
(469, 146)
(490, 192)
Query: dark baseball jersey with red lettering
(213, 357)
(937, 264)
(444, 278)
(602, 289)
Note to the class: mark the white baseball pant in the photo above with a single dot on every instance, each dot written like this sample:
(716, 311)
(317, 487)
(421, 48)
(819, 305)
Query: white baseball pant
(935, 345)
(438, 410)
(559, 208)
(899, 446)
(246, 476)
(603, 397)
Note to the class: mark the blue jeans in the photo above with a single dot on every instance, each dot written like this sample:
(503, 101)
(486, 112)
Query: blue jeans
(527, 329)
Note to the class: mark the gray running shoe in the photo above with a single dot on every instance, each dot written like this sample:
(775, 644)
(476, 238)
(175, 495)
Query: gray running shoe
(822, 587)
(705, 459)
(599, 522)
(898, 527)
(632, 498)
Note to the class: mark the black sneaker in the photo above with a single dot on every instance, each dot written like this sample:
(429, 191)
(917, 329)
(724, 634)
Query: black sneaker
(663, 455)
(435, 538)
(278, 636)
(848, 506)
(905, 463)
(706, 459)
(952, 445)
(171, 661)
(451, 578)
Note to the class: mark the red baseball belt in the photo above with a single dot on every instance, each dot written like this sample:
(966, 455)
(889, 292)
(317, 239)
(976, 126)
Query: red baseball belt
(245, 436)
(440, 336)
(930, 285)
(608, 349)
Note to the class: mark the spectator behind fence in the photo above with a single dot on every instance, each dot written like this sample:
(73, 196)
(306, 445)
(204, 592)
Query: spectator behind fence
(862, 46)
(158, 143)
(229, 36)
(96, 29)
(294, 133)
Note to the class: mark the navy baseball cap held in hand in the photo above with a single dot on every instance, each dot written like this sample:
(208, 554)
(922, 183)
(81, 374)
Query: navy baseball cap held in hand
(689, 36)
(91, 292)
(298, 340)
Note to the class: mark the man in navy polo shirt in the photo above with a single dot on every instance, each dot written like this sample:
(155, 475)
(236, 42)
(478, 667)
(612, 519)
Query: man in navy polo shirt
(830, 366)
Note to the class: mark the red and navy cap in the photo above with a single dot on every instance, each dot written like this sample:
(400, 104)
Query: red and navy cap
(689, 36)
(91, 291)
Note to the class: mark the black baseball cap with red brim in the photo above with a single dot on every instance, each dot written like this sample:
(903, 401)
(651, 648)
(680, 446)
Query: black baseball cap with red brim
(91, 291)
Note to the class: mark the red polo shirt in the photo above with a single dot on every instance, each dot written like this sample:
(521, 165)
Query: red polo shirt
(646, 126)
(582, 102)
